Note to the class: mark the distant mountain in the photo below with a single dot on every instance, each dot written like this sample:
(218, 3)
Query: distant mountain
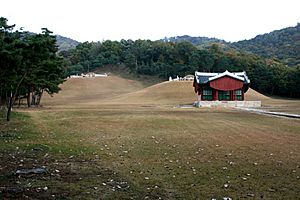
(281, 44)
(198, 41)
(65, 43)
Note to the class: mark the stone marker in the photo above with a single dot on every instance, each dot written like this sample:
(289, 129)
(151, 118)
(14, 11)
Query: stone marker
(31, 171)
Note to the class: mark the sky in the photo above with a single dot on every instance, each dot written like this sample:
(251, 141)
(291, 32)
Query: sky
(98, 20)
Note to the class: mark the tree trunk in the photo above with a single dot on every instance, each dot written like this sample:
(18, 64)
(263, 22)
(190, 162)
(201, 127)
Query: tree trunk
(12, 98)
(28, 97)
(39, 98)
(136, 64)
(33, 98)
(9, 106)
(9, 109)
(6, 99)
(19, 105)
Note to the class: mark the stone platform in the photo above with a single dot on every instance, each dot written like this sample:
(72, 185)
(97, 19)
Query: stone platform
(242, 104)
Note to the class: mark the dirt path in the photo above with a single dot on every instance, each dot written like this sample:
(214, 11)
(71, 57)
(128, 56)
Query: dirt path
(39, 123)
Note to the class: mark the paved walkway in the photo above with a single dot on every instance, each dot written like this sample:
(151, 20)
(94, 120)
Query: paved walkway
(253, 110)
(265, 112)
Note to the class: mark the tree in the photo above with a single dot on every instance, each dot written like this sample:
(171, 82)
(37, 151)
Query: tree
(202, 60)
(43, 67)
(184, 50)
(11, 73)
(29, 65)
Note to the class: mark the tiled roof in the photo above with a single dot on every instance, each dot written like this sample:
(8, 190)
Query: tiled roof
(205, 77)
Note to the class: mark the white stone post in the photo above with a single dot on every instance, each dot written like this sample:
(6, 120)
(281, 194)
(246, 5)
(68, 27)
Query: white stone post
(199, 97)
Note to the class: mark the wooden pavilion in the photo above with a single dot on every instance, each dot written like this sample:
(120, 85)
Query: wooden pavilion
(226, 86)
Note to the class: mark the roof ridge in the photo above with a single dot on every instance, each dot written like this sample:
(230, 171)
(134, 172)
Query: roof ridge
(209, 76)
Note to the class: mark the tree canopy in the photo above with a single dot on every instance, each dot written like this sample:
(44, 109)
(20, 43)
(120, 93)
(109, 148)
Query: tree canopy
(164, 59)
(29, 65)
(283, 45)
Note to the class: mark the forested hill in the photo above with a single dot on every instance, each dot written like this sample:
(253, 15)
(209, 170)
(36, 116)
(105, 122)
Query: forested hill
(198, 41)
(65, 43)
(282, 44)
(178, 56)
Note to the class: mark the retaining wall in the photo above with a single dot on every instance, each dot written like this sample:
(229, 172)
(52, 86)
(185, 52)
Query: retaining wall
(244, 104)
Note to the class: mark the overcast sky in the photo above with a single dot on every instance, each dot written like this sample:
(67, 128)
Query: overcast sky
(97, 20)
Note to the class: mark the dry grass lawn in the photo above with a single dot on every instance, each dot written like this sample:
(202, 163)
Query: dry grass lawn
(118, 140)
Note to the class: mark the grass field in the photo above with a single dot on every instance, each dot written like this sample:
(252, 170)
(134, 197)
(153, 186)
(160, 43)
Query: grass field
(114, 139)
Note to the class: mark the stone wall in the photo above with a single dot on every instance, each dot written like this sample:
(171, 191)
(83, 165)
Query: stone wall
(244, 104)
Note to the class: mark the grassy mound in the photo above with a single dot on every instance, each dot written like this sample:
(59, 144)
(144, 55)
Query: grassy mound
(162, 93)
(119, 90)
(114, 89)
(82, 90)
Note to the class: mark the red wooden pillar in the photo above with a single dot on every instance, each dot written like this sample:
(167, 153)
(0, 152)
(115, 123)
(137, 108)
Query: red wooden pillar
(234, 95)
(217, 95)
(213, 94)
(243, 93)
